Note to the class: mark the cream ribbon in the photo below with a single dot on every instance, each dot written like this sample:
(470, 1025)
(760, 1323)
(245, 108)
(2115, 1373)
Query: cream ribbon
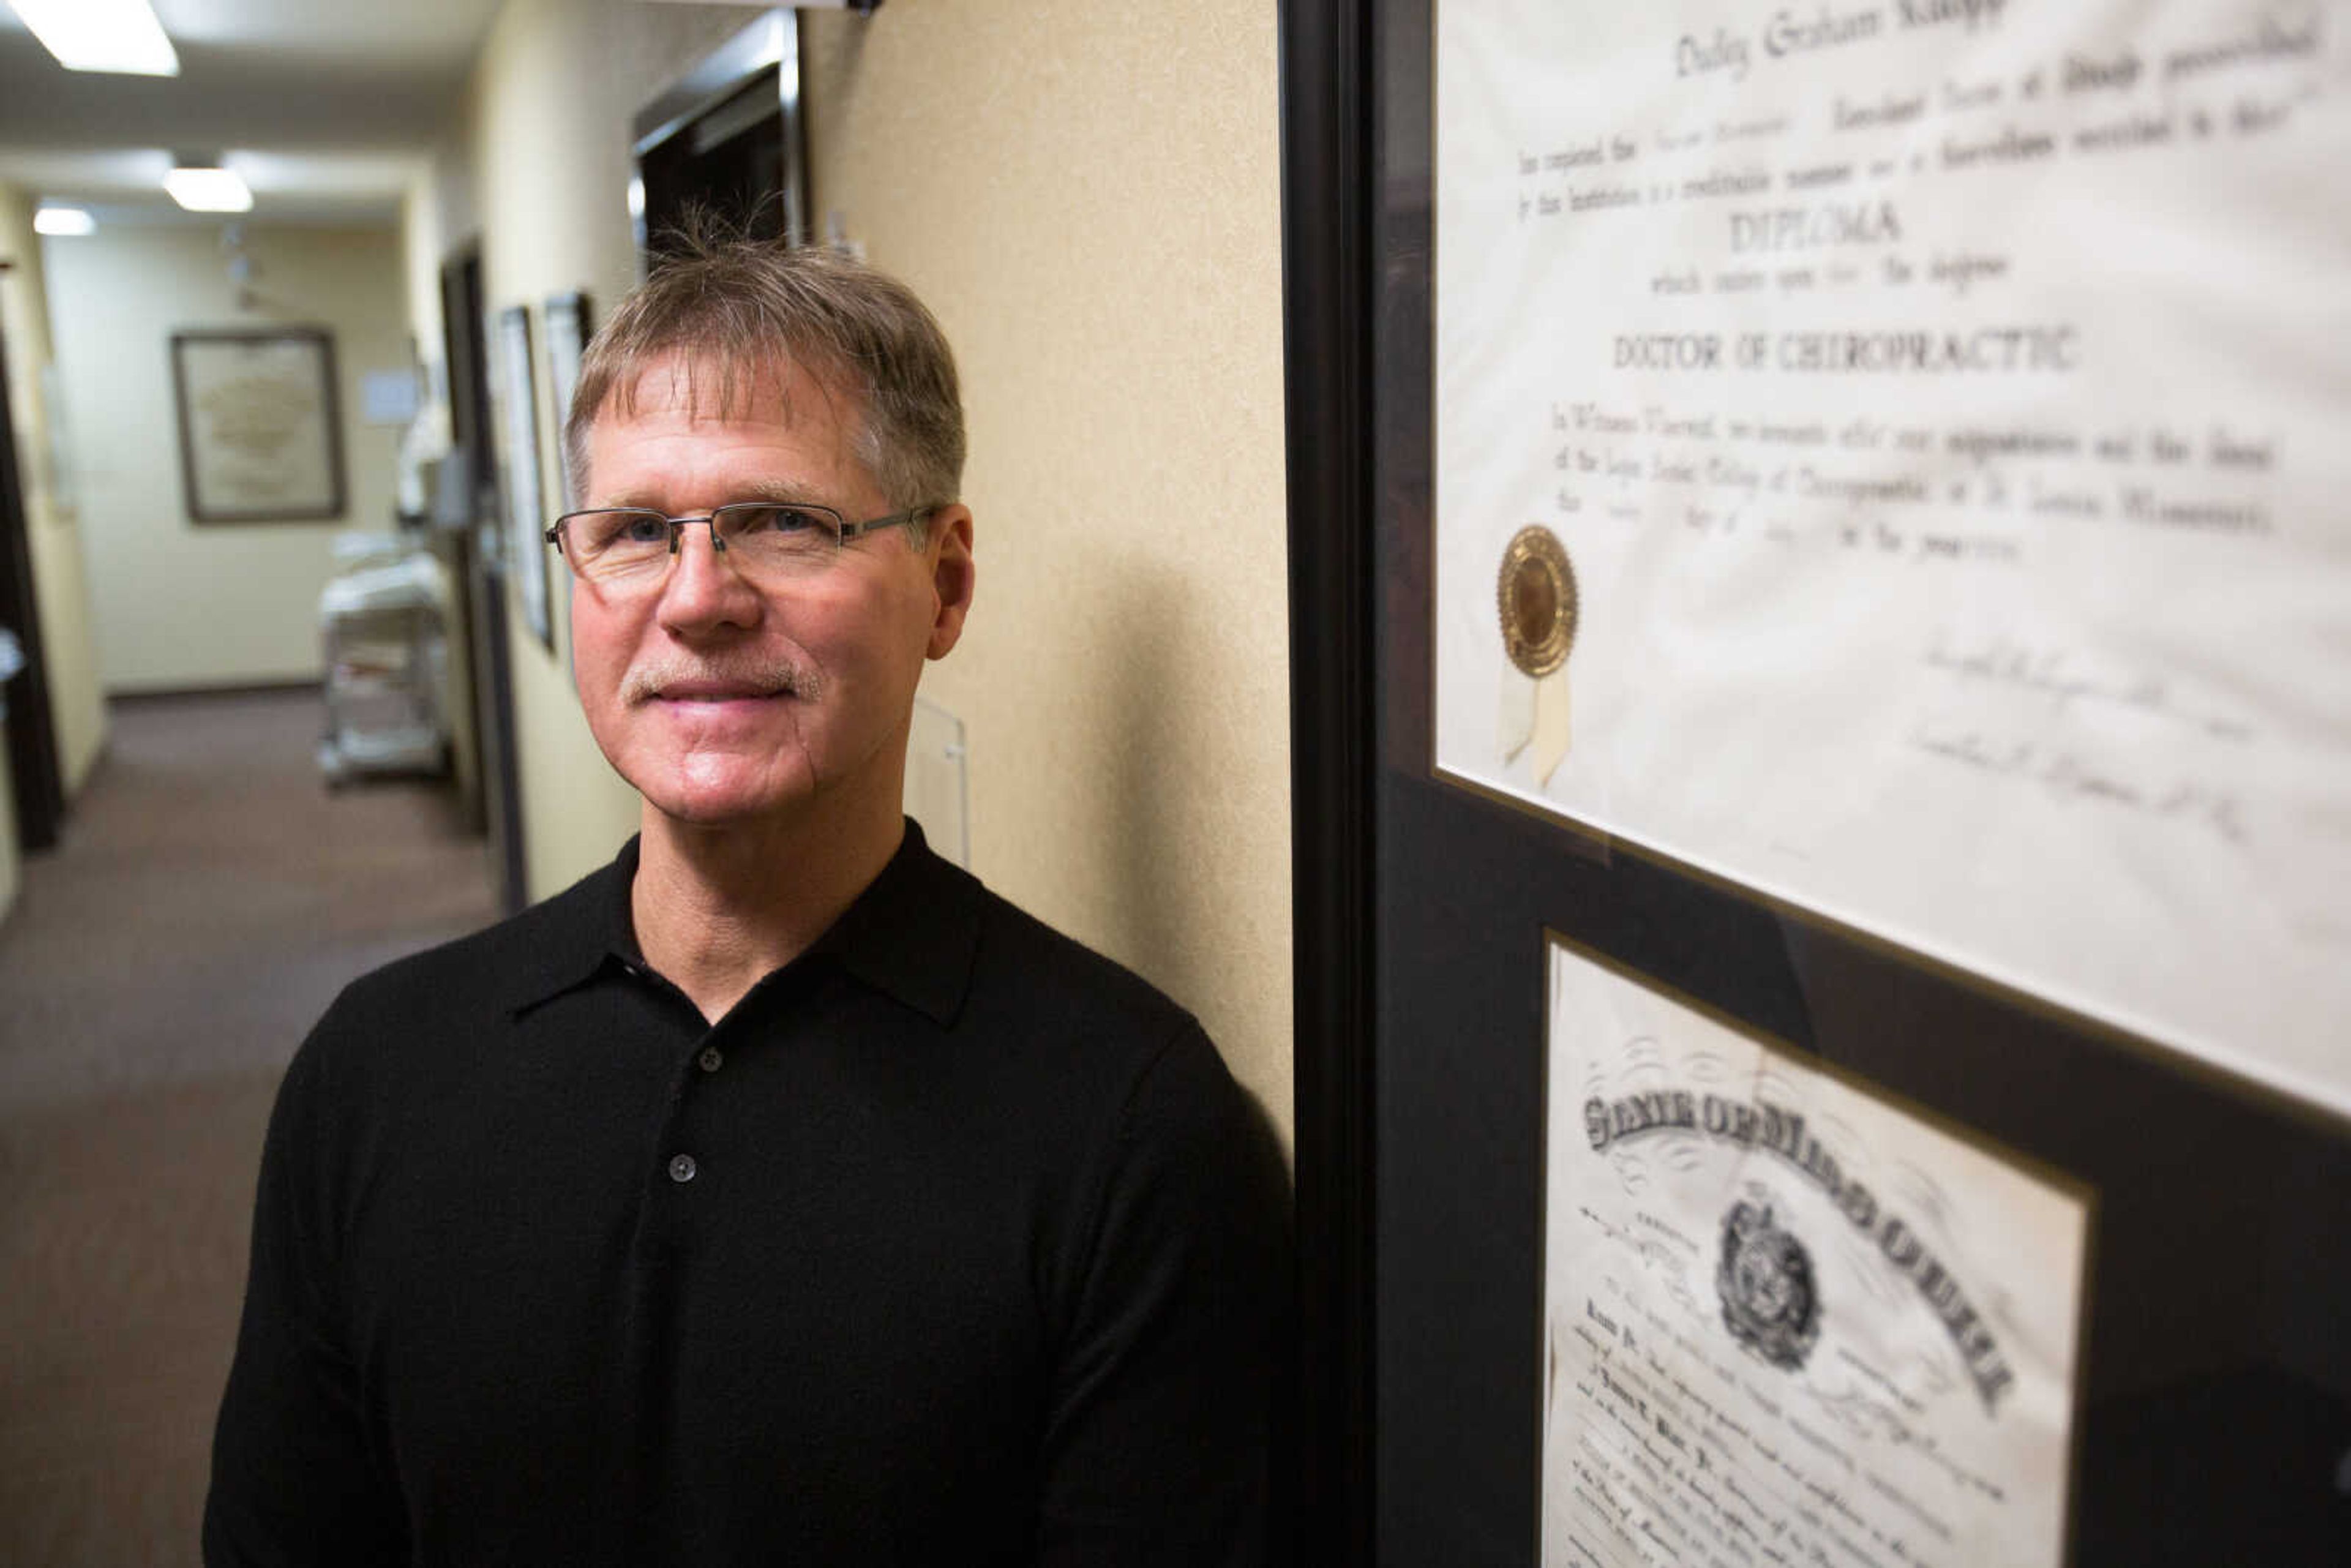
(1535, 716)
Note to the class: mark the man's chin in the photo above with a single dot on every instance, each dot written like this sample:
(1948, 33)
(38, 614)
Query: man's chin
(718, 813)
(722, 798)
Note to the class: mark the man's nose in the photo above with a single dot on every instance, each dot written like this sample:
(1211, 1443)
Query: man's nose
(703, 587)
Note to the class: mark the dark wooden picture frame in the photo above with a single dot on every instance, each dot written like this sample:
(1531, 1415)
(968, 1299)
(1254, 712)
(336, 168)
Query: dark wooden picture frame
(297, 406)
(2216, 1384)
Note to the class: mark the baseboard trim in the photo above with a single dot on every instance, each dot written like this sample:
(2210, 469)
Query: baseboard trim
(312, 684)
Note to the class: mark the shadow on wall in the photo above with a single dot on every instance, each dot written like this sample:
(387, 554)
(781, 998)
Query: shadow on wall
(1161, 914)
(1158, 910)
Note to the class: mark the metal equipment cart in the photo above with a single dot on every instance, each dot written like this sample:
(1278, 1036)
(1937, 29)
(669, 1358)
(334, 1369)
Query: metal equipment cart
(383, 621)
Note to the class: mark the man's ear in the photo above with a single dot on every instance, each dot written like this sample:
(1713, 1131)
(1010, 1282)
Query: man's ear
(951, 576)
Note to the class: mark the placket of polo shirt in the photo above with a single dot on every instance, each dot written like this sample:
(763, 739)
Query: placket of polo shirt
(677, 1164)
(681, 1162)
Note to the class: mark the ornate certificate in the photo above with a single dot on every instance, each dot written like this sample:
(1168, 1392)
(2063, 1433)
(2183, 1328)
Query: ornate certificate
(1785, 1321)
(1906, 439)
(260, 440)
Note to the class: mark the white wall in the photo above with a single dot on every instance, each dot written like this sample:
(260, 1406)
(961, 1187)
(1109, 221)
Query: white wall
(182, 605)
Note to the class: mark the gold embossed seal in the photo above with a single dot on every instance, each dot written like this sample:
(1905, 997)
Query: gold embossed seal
(1537, 600)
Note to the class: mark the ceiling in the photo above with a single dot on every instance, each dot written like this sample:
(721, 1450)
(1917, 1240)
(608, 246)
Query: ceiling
(327, 108)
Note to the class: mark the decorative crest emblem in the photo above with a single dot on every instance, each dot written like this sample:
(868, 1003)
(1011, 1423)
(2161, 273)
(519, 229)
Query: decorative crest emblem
(1766, 1284)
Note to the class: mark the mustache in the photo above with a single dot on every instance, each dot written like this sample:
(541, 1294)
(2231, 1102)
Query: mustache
(768, 674)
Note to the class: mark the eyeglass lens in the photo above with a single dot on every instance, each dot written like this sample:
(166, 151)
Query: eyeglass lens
(757, 537)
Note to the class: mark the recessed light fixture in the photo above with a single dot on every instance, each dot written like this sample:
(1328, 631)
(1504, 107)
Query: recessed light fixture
(120, 35)
(49, 220)
(202, 185)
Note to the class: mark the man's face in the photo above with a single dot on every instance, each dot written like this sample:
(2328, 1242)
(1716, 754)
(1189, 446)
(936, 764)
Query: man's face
(727, 700)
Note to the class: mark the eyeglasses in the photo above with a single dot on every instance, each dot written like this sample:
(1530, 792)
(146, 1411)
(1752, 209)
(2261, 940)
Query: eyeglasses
(626, 546)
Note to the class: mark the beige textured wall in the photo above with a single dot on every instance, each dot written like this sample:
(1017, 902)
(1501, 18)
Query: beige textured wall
(60, 574)
(179, 605)
(1089, 197)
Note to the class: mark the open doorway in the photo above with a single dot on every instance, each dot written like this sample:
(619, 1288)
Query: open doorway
(726, 140)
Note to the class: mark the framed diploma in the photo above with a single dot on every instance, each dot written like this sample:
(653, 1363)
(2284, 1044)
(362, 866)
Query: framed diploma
(1975, 793)
(513, 392)
(260, 439)
(1839, 400)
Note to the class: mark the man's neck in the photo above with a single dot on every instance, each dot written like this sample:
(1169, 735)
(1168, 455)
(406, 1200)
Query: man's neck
(718, 909)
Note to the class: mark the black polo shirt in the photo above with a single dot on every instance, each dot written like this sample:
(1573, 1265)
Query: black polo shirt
(952, 1242)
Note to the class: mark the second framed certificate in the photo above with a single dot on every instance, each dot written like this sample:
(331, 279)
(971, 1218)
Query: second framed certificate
(1784, 1319)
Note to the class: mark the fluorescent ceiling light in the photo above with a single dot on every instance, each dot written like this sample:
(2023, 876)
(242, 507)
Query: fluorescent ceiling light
(209, 190)
(102, 36)
(63, 221)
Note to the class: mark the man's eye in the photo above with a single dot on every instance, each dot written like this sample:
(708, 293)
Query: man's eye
(773, 520)
(642, 529)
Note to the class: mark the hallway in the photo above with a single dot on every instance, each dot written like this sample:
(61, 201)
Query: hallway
(210, 898)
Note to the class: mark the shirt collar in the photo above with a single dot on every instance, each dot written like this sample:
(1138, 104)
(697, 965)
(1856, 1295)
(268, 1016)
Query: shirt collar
(911, 934)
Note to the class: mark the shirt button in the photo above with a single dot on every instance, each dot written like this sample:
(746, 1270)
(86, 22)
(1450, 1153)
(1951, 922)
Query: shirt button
(710, 1059)
(681, 1168)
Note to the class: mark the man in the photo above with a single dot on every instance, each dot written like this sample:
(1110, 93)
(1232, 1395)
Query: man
(776, 1193)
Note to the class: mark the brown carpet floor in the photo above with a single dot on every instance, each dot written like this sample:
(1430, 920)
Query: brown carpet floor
(210, 898)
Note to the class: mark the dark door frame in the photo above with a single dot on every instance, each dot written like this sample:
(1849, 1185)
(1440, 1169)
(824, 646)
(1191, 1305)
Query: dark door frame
(33, 766)
(1327, 147)
(465, 342)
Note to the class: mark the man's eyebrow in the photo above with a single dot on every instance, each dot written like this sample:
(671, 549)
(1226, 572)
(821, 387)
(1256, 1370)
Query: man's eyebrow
(780, 492)
(788, 492)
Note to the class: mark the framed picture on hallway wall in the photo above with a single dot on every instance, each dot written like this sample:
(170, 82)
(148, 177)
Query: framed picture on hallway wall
(570, 323)
(515, 392)
(260, 433)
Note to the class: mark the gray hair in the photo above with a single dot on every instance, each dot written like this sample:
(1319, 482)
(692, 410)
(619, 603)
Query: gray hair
(740, 310)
